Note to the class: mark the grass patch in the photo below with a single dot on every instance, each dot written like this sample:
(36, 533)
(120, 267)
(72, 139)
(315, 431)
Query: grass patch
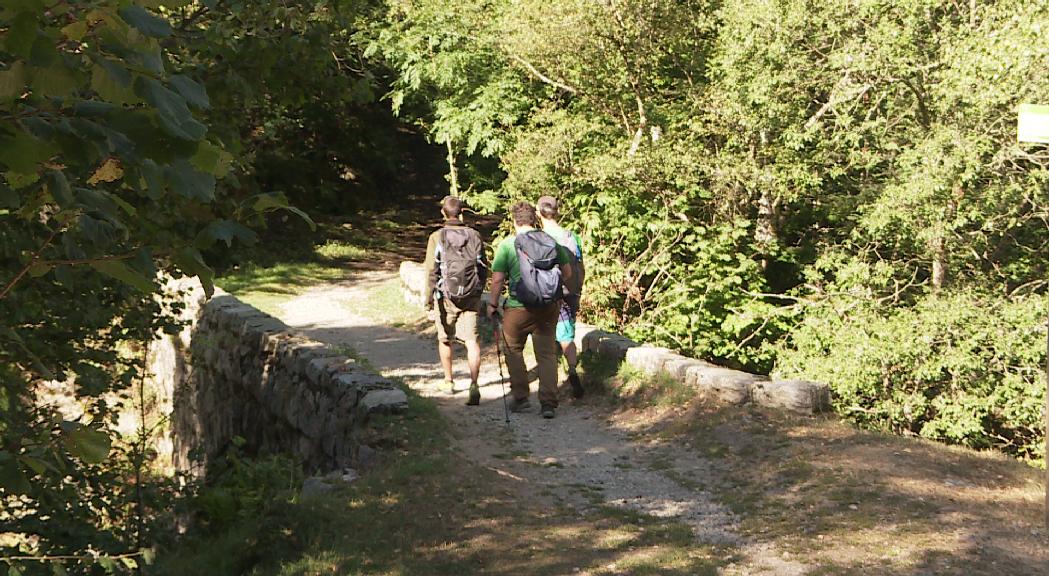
(274, 272)
(267, 288)
(623, 383)
(384, 303)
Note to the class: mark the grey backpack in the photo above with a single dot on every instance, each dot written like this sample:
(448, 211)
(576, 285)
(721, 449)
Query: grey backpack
(540, 283)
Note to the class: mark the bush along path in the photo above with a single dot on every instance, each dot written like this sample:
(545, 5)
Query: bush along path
(641, 477)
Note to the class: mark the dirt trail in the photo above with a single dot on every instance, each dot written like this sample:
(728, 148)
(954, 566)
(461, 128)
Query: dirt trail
(578, 460)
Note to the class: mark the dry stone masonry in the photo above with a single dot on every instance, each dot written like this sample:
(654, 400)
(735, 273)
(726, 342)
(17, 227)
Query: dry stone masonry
(238, 372)
(722, 384)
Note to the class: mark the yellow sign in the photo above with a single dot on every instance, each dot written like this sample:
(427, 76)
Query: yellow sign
(1033, 123)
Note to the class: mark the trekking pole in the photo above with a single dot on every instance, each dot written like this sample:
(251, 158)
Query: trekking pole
(499, 354)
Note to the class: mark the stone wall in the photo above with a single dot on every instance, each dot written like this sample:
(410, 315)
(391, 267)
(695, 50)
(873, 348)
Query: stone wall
(235, 372)
(722, 384)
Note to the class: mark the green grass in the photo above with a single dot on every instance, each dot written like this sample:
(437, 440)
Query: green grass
(274, 272)
(622, 382)
(384, 303)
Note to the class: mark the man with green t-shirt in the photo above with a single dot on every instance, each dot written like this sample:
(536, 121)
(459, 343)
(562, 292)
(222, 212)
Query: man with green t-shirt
(549, 214)
(519, 321)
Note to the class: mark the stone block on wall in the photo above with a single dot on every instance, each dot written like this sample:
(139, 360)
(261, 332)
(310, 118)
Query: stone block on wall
(382, 401)
(413, 279)
(649, 359)
(721, 384)
(677, 366)
(794, 395)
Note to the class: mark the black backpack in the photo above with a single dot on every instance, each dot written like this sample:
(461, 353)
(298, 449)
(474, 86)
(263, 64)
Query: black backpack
(540, 282)
(462, 273)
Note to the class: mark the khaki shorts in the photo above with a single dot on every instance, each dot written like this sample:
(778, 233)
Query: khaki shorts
(455, 323)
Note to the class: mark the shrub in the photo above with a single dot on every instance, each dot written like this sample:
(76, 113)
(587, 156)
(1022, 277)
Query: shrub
(963, 367)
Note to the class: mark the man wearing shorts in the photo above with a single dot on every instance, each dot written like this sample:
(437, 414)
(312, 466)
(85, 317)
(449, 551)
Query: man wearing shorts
(455, 318)
(549, 215)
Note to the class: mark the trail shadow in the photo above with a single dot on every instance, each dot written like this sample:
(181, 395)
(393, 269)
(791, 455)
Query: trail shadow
(884, 504)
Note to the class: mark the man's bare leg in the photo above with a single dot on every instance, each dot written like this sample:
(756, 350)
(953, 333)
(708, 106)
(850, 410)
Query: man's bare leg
(444, 350)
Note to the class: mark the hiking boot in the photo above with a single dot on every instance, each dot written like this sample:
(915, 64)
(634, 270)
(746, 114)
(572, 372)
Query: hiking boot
(547, 412)
(449, 386)
(577, 386)
(475, 395)
(516, 405)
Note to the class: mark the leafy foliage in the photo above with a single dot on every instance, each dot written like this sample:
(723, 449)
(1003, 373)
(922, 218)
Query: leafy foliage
(962, 368)
(725, 160)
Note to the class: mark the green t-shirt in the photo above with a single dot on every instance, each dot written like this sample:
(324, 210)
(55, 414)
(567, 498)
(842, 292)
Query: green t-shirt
(559, 233)
(505, 261)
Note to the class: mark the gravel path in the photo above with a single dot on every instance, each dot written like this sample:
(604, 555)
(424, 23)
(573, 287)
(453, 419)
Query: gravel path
(577, 460)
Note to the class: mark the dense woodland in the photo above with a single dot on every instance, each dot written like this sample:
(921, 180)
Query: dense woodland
(827, 190)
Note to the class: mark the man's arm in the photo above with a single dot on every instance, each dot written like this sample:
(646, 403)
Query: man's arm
(564, 259)
(432, 271)
(497, 288)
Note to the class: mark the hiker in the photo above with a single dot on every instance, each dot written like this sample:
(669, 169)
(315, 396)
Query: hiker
(549, 214)
(456, 271)
(535, 265)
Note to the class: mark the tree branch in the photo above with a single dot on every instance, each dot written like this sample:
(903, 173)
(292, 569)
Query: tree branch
(543, 77)
(29, 265)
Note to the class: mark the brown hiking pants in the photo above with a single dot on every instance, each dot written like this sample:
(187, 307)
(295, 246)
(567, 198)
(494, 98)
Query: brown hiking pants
(518, 323)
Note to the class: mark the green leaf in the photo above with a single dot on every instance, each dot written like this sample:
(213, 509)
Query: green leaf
(120, 271)
(90, 445)
(57, 569)
(191, 263)
(189, 182)
(35, 464)
(107, 563)
(14, 570)
(13, 81)
(21, 34)
(271, 201)
(305, 217)
(75, 31)
(23, 153)
(128, 208)
(193, 92)
(39, 269)
(20, 180)
(7, 333)
(58, 185)
(57, 81)
(153, 176)
(8, 197)
(129, 562)
(212, 159)
(145, 21)
(226, 231)
(149, 555)
(12, 479)
(278, 201)
(171, 108)
(112, 82)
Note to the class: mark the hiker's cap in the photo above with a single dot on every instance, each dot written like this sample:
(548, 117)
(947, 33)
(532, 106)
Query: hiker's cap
(547, 206)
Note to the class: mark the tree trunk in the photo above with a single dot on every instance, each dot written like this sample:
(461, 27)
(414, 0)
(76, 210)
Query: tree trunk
(453, 174)
(938, 244)
(765, 228)
(765, 232)
(939, 261)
